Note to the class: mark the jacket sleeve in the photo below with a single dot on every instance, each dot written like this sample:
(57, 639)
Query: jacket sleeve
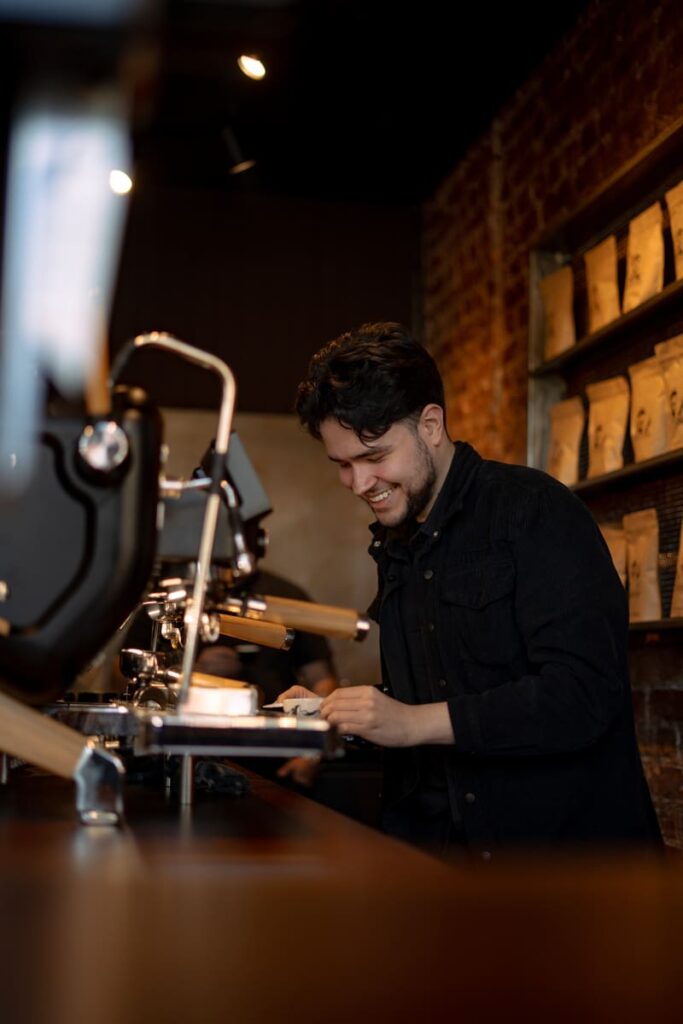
(571, 611)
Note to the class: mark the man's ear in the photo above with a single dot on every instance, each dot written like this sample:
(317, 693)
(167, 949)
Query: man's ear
(431, 423)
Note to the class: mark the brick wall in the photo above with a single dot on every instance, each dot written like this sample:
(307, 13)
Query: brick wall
(610, 87)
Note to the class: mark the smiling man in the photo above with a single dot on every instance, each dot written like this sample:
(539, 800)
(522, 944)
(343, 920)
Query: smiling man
(506, 707)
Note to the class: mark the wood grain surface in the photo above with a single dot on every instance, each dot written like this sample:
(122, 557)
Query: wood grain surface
(269, 907)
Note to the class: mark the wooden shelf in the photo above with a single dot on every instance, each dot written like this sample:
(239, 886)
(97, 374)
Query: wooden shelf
(635, 317)
(629, 472)
(655, 626)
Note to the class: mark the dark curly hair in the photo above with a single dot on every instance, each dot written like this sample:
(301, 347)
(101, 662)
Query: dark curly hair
(369, 379)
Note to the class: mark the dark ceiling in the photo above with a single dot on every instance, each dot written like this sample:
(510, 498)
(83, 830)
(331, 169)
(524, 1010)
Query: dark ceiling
(363, 100)
(370, 100)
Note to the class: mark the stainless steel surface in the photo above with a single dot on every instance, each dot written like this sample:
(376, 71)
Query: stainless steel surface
(4, 769)
(138, 664)
(186, 779)
(106, 721)
(246, 563)
(150, 731)
(155, 695)
(247, 607)
(362, 628)
(174, 488)
(210, 628)
(222, 736)
(195, 604)
(99, 783)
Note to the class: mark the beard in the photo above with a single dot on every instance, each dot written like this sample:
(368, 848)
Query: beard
(418, 499)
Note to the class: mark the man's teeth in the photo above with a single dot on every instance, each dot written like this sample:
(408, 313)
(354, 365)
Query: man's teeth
(382, 496)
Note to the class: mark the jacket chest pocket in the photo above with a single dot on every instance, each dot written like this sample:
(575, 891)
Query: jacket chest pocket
(478, 605)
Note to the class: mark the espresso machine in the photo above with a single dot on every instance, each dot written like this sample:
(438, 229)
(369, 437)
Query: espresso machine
(101, 533)
(92, 531)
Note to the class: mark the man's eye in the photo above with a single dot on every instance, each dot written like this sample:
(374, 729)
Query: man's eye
(376, 458)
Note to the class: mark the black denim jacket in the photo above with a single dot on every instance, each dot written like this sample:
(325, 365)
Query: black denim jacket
(530, 625)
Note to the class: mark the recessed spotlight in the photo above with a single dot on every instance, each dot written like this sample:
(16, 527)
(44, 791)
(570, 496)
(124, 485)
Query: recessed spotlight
(244, 165)
(238, 162)
(120, 182)
(251, 66)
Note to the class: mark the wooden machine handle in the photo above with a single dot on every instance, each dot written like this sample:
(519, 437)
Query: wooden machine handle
(220, 682)
(267, 634)
(325, 619)
(31, 736)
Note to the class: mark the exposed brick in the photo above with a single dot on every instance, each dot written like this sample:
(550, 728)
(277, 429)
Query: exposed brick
(667, 705)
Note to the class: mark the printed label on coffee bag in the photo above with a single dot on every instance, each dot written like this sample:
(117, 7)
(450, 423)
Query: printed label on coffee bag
(645, 257)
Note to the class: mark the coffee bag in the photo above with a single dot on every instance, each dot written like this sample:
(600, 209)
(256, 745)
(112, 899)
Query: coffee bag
(674, 202)
(601, 283)
(677, 596)
(644, 257)
(615, 538)
(649, 409)
(642, 555)
(607, 418)
(557, 291)
(567, 420)
(670, 356)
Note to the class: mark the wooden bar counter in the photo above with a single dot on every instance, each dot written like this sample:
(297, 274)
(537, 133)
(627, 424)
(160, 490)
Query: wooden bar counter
(268, 907)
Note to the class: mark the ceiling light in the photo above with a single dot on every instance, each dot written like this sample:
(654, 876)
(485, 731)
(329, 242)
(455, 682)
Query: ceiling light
(251, 66)
(120, 183)
(238, 163)
(244, 165)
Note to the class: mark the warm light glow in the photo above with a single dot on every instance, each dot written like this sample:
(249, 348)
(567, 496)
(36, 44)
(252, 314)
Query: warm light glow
(243, 165)
(120, 183)
(252, 67)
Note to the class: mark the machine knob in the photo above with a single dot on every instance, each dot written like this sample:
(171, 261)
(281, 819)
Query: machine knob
(103, 446)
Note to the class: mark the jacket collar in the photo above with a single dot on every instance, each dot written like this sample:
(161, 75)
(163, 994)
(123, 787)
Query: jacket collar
(450, 499)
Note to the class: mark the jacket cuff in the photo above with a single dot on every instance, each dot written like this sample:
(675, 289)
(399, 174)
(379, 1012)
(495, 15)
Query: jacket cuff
(465, 722)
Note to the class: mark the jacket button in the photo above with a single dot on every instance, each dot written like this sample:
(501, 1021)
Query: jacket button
(430, 627)
(442, 682)
(486, 855)
(428, 573)
(377, 543)
(391, 577)
(470, 798)
(436, 533)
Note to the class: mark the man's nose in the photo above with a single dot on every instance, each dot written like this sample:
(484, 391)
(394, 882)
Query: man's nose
(363, 479)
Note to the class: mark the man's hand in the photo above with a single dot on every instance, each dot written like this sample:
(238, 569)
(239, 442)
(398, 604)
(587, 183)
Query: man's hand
(366, 711)
(301, 770)
(295, 693)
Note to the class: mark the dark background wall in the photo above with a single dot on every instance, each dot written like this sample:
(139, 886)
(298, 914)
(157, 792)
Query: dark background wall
(610, 88)
(261, 281)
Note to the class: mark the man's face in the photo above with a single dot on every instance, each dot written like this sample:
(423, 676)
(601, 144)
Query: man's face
(395, 474)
